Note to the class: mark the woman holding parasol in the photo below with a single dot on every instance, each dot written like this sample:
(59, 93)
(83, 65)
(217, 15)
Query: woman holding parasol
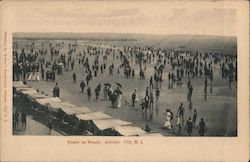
(169, 117)
(119, 95)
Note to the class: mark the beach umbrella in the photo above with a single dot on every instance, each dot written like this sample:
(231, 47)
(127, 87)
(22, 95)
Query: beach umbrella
(118, 84)
(167, 110)
(107, 84)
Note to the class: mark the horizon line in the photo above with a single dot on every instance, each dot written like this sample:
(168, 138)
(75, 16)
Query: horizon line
(157, 34)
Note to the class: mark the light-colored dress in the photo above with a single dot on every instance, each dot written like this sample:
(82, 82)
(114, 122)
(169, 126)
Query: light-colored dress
(36, 76)
(168, 124)
(119, 100)
(178, 121)
(136, 97)
(30, 76)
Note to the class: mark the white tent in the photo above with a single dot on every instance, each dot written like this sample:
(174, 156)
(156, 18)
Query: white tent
(19, 89)
(69, 110)
(104, 124)
(59, 105)
(93, 116)
(18, 83)
(82, 110)
(152, 135)
(21, 86)
(54, 99)
(30, 91)
(129, 131)
(33, 96)
(119, 122)
(75, 110)
(86, 122)
(48, 100)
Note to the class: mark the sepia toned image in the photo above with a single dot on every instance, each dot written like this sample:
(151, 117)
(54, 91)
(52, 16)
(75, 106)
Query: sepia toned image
(124, 81)
(173, 83)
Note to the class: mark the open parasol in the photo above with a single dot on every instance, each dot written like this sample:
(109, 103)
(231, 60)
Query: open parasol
(107, 84)
(118, 84)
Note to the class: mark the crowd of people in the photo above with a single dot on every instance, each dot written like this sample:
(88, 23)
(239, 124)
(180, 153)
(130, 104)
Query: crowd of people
(169, 65)
(190, 124)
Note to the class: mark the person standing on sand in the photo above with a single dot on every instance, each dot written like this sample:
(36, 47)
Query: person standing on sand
(195, 117)
(189, 126)
(56, 91)
(169, 117)
(181, 111)
(16, 119)
(74, 78)
(178, 125)
(23, 119)
(97, 91)
(134, 97)
(189, 83)
(190, 92)
(157, 94)
(89, 93)
(82, 85)
(118, 97)
(147, 92)
(151, 82)
(50, 126)
(202, 127)
(113, 99)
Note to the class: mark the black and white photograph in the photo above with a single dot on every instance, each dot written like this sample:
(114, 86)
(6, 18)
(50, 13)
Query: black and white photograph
(124, 81)
(169, 73)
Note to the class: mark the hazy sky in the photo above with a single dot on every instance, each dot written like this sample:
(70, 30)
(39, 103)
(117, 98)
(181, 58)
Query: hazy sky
(135, 18)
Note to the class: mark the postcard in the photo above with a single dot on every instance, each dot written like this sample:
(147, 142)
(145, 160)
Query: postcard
(124, 81)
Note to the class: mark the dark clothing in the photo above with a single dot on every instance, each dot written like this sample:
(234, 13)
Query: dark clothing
(202, 128)
(118, 91)
(16, 119)
(157, 93)
(50, 125)
(97, 92)
(82, 85)
(133, 99)
(181, 111)
(56, 92)
(23, 118)
(74, 78)
(189, 127)
(89, 93)
(147, 93)
(189, 84)
(113, 99)
(194, 117)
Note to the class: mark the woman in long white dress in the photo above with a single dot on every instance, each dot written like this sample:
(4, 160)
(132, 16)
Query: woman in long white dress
(119, 97)
(30, 76)
(119, 100)
(167, 124)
